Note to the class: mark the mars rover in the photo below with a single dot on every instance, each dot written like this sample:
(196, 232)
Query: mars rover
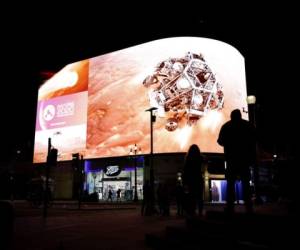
(184, 89)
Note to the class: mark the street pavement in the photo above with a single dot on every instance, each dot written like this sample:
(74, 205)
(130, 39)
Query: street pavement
(104, 226)
(99, 226)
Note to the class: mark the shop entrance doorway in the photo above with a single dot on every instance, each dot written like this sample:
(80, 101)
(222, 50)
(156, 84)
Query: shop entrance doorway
(115, 185)
(100, 183)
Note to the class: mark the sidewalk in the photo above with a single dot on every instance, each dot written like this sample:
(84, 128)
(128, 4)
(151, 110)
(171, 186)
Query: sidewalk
(103, 226)
(24, 208)
(86, 229)
(270, 227)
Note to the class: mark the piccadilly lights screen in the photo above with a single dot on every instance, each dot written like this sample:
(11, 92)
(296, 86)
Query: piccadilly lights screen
(97, 107)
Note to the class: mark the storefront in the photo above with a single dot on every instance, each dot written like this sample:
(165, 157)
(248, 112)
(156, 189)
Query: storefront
(108, 181)
(218, 191)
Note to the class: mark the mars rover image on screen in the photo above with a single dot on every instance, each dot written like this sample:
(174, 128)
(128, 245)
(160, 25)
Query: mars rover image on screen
(184, 89)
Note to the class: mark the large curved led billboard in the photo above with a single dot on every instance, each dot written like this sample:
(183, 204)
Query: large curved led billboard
(98, 106)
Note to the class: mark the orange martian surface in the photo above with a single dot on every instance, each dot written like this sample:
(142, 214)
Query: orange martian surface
(117, 100)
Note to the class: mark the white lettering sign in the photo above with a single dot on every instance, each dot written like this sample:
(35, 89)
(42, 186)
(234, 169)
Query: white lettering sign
(65, 109)
(110, 170)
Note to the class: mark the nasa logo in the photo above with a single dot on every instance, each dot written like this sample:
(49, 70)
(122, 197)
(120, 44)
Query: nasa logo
(49, 112)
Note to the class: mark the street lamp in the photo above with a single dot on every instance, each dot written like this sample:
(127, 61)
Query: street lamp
(152, 120)
(251, 101)
(134, 151)
(152, 198)
(12, 174)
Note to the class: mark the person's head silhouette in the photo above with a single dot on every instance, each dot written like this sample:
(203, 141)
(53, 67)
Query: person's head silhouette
(236, 115)
(194, 151)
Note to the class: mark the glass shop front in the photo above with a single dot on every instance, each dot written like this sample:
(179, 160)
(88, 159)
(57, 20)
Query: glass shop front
(114, 183)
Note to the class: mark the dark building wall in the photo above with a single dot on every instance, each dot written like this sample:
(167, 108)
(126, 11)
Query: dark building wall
(63, 176)
(165, 166)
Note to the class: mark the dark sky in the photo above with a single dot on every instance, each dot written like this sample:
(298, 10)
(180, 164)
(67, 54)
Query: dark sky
(45, 38)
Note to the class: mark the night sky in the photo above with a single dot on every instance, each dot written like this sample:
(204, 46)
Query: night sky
(46, 38)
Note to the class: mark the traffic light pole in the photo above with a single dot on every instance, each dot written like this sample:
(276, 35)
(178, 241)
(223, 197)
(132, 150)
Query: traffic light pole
(80, 181)
(47, 179)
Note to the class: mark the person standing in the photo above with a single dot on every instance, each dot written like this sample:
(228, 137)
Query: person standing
(238, 139)
(146, 203)
(110, 195)
(179, 194)
(193, 181)
(215, 195)
(119, 195)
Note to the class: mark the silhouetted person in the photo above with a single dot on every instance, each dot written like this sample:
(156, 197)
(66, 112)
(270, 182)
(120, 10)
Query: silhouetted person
(110, 194)
(146, 198)
(6, 225)
(215, 195)
(119, 194)
(165, 200)
(193, 181)
(160, 198)
(237, 136)
(179, 194)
